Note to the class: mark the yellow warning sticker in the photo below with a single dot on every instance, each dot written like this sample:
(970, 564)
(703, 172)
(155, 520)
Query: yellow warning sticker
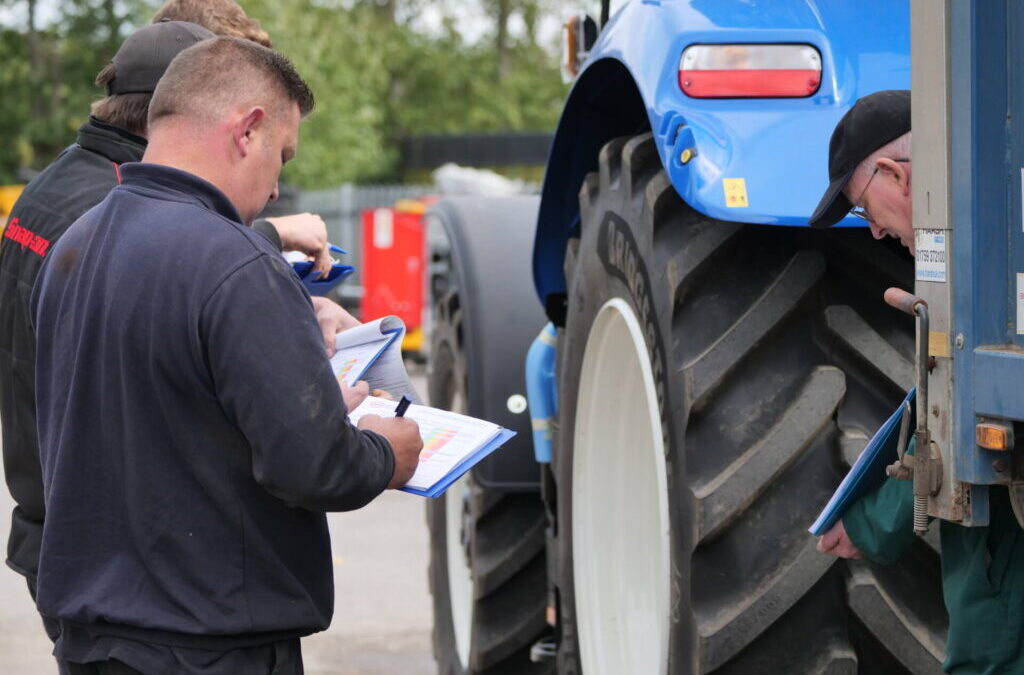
(735, 192)
(938, 344)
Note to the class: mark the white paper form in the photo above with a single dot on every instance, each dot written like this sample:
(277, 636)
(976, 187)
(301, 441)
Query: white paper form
(448, 438)
(373, 352)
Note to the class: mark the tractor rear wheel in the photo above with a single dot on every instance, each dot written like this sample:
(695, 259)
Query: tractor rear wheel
(487, 565)
(715, 380)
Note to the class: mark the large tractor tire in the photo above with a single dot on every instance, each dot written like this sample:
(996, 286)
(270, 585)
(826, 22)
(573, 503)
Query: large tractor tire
(487, 560)
(715, 381)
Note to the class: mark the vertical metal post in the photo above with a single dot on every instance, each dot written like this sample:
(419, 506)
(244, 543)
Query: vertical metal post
(923, 466)
(931, 122)
(925, 470)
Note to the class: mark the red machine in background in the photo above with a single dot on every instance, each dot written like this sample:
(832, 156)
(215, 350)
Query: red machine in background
(393, 266)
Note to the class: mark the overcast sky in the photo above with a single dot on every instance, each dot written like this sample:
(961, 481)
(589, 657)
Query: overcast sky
(473, 21)
(17, 16)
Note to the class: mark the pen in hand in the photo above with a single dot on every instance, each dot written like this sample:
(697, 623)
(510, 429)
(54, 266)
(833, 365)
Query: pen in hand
(403, 405)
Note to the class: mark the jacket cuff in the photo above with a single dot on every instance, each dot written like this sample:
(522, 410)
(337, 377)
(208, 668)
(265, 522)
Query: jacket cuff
(881, 524)
(387, 455)
(264, 227)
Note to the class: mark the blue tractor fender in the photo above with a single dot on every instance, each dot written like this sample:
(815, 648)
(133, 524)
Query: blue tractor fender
(772, 150)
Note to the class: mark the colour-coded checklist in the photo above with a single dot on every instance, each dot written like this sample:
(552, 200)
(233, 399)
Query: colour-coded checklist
(449, 439)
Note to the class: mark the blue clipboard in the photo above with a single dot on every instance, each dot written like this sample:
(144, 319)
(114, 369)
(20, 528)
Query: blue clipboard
(438, 488)
(393, 334)
(868, 472)
(317, 285)
(383, 369)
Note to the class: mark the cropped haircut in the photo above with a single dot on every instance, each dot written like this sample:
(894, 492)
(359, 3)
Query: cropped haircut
(223, 17)
(128, 111)
(222, 73)
(898, 148)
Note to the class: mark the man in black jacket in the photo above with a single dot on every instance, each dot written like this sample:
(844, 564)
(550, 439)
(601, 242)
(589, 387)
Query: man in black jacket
(75, 182)
(192, 433)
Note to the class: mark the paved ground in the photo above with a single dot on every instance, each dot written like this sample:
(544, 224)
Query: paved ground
(382, 616)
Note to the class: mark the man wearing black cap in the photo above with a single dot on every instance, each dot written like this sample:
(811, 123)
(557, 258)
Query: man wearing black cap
(75, 182)
(869, 168)
(982, 567)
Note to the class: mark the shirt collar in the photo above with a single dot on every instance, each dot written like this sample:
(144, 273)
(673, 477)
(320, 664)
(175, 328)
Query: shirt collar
(112, 142)
(180, 185)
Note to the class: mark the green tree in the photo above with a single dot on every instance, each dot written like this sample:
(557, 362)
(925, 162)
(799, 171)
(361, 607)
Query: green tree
(341, 53)
(378, 80)
(376, 76)
(47, 79)
(15, 75)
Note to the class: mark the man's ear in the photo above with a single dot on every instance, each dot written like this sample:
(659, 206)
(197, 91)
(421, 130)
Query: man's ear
(895, 171)
(244, 130)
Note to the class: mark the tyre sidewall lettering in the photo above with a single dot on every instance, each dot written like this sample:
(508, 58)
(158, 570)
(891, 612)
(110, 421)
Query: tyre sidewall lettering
(621, 274)
(619, 253)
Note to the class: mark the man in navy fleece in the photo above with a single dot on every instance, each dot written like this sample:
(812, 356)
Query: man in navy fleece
(192, 434)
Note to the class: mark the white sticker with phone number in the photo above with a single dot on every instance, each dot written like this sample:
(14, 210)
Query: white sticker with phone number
(930, 260)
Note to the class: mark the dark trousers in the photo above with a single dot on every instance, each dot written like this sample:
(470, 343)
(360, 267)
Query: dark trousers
(286, 656)
(99, 668)
(281, 658)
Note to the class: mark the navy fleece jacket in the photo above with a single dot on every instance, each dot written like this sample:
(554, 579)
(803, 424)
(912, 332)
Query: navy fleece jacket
(192, 433)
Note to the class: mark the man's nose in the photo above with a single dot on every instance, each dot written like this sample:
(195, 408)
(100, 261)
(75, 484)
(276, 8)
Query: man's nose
(275, 194)
(876, 231)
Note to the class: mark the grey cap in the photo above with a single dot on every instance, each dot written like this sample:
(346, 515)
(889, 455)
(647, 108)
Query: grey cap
(145, 54)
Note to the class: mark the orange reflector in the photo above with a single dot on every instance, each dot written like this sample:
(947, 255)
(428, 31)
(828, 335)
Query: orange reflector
(994, 436)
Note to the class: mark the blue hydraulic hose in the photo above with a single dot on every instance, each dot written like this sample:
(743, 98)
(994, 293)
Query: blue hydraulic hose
(541, 390)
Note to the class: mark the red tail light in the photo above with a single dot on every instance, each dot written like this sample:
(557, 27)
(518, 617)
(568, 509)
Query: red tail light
(750, 71)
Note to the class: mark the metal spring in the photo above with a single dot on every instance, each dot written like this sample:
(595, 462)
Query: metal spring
(920, 514)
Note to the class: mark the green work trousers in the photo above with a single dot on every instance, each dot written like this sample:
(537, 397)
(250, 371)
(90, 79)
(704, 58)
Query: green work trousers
(982, 574)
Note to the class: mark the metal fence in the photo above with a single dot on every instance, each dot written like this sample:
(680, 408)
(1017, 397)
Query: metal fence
(495, 149)
(341, 208)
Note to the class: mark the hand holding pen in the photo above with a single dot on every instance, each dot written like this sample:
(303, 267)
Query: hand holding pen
(403, 434)
(403, 405)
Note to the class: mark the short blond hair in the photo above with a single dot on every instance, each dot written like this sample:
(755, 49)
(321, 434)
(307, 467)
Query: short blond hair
(223, 17)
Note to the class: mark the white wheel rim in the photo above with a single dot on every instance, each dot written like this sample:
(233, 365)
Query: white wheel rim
(620, 522)
(460, 576)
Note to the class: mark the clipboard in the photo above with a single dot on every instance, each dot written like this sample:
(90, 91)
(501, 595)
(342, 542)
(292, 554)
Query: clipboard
(317, 285)
(373, 352)
(438, 488)
(868, 472)
(452, 443)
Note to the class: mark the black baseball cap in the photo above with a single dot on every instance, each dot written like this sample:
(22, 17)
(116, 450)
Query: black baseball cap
(872, 122)
(145, 54)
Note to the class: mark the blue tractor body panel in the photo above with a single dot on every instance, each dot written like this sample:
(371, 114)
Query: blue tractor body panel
(779, 147)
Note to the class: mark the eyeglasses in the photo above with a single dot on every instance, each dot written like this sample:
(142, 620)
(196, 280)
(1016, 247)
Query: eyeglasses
(860, 211)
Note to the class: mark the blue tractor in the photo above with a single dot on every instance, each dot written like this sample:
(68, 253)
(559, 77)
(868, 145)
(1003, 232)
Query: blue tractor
(707, 367)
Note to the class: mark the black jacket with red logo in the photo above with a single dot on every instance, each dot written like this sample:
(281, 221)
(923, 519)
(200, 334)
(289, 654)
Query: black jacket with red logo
(75, 182)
